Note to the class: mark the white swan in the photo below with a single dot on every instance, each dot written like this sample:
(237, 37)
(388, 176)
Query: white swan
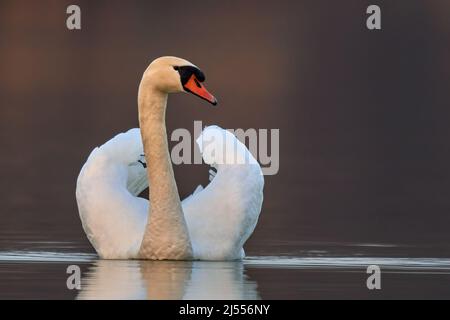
(211, 224)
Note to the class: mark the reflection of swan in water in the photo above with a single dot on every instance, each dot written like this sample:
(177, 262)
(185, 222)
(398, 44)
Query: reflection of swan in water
(220, 280)
(133, 279)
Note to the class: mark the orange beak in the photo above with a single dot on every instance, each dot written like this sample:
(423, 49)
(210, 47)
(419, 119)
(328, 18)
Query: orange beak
(195, 87)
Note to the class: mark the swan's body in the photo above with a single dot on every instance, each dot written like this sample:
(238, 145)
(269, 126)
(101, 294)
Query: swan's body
(211, 224)
(219, 217)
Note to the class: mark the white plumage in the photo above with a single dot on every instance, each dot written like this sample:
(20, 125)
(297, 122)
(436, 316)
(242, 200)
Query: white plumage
(220, 217)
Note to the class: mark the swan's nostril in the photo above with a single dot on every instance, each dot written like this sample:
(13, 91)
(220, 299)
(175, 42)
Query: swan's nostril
(197, 83)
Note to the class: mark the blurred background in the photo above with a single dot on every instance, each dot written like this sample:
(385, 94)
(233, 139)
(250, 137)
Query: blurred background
(363, 115)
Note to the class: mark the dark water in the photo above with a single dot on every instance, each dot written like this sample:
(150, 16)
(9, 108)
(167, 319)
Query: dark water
(37, 270)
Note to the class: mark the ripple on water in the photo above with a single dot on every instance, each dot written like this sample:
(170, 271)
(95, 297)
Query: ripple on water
(417, 264)
(45, 256)
(319, 262)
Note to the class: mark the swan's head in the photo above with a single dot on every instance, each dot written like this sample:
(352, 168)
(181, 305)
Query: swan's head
(172, 74)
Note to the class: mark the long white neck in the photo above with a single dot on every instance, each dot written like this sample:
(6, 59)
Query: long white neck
(166, 235)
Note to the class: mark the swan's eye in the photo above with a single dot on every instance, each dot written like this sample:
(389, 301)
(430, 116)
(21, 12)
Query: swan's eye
(175, 68)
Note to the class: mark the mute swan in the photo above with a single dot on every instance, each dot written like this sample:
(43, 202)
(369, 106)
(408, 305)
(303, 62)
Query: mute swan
(211, 224)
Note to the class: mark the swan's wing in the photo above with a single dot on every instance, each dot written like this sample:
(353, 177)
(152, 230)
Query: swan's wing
(113, 218)
(137, 180)
(222, 216)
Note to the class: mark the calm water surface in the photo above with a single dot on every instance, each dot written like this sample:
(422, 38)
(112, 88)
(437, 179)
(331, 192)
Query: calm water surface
(32, 269)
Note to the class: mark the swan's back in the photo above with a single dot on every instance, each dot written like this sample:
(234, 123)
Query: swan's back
(112, 217)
